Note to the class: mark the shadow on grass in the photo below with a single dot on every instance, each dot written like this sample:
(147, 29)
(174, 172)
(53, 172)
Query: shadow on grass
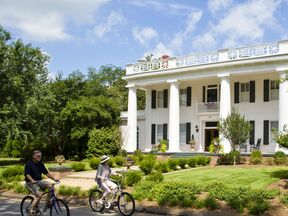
(10, 162)
(281, 174)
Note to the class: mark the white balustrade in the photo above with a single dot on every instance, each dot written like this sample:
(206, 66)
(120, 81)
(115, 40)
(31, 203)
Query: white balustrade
(208, 107)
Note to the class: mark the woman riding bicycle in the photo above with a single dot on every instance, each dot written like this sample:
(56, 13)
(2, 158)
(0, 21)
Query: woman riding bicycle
(102, 177)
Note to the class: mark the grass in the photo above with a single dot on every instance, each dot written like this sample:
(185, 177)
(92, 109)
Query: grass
(255, 177)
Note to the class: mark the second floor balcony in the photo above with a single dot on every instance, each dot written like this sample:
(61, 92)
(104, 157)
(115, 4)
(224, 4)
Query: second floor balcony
(208, 107)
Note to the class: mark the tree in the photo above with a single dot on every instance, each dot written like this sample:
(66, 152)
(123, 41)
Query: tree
(235, 128)
(281, 137)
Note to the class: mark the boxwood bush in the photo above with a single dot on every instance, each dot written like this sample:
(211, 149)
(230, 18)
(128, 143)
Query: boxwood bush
(156, 176)
(280, 158)
(94, 163)
(148, 164)
(256, 157)
(162, 166)
(12, 172)
(133, 177)
(78, 166)
(119, 161)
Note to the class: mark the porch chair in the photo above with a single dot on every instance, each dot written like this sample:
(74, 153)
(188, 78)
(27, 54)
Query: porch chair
(243, 146)
(256, 146)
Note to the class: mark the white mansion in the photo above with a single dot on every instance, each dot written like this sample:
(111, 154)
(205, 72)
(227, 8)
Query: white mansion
(186, 96)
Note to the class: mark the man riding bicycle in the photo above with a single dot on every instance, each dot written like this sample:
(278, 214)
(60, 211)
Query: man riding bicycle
(33, 174)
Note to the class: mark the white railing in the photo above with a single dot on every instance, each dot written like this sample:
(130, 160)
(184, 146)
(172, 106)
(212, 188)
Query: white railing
(208, 107)
(253, 51)
(165, 62)
(197, 59)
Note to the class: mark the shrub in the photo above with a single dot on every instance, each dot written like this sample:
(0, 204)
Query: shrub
(279, 158)
(148, 164)
(199, 204)
(210, 203)
(162, 166)
(256, 157)
(78, 166)
(133, 177)
(284, 199)
(111, 162)
(122, 153)
(182, 162)
(103, 141)
(172, 163)
(94, 163)
(69, 191)
(119, 161)
(12, 171)
(201, 160)
(258, 207)
(228, 159)
(155, 176)
(143, 190)
(192, 162)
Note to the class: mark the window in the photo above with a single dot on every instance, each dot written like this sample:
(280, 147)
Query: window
(160, 99)
(183, 97)
(212, 93)
(274, 87)
(182, 133)
(244, 92)
(273, 126)
(159, 133)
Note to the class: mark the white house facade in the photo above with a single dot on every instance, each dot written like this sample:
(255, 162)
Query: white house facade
(186, 96)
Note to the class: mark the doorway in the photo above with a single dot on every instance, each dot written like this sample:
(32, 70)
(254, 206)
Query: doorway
(210, 134)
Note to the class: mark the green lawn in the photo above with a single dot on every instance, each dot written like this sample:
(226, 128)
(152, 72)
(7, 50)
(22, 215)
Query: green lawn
(255, 177)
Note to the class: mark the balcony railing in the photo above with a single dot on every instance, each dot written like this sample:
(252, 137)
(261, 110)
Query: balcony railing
(165, 62)
(208, 107)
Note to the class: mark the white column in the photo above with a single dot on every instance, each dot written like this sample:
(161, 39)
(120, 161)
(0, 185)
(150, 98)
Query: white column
(131, 145)
(148, 144)
(225, 106)
(174, 144)
(283, 104)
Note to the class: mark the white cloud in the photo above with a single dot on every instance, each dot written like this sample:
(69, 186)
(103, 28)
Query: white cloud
(218, 5)
(144, 35)
(204, 42)
(242, 24)
(160, 50)
(43, 20)
(113, 19)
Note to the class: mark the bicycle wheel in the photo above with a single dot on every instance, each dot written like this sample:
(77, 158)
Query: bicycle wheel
(126, 204)
(59, 207)
(94, 203)
(26, 205)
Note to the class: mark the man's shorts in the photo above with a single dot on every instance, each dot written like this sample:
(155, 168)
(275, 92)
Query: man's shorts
(36, 189)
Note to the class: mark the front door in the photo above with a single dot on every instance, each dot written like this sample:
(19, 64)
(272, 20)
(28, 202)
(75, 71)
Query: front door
(210, 134)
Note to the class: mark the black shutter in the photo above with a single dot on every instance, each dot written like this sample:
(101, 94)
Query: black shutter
(188, 132)
(204, 93)
(165, 131)
(153, 134)
(252, 133)
(153, 102)
(189, 94)
(165, 103)
(252, 91)
(266, 132)
(236, 92)
(266, 90)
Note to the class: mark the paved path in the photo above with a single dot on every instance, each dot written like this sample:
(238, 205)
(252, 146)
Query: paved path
(10, 207)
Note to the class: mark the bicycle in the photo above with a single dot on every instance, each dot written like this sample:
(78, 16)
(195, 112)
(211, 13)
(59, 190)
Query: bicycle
(118, 197)
(57, 206)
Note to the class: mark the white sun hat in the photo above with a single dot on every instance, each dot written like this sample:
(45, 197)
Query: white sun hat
(104, 158)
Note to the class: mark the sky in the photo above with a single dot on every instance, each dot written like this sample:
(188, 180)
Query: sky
(78, 34)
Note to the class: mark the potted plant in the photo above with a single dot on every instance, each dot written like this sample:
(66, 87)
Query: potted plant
(192, 143)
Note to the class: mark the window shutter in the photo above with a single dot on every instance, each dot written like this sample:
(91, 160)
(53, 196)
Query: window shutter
(252, 91)
(252, 133)
(153, 102)
(266, 90)
(189, 95)
(188, 132)
(236, 92)
(165, 103)
(204, 93)
(266, 132)
(165, 131)
(153, 134)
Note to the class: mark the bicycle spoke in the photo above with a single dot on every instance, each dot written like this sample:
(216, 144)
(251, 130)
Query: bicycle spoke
(95, 201)
(59, 207)
(126, 204)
